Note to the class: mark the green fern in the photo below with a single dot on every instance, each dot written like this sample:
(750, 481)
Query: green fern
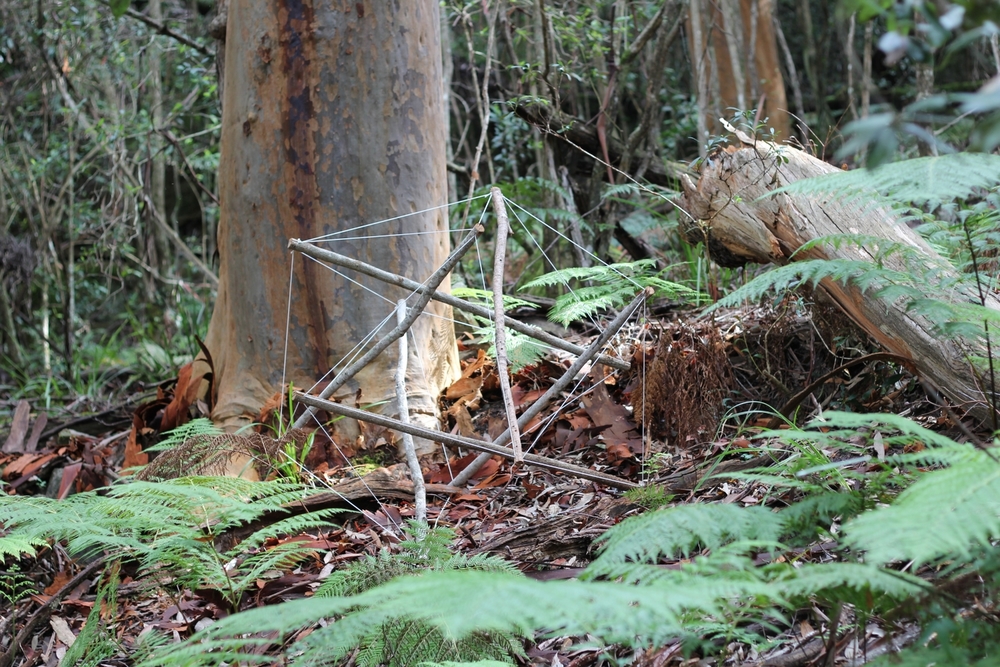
(952, 513)
(609, 287)
(678, 531)
(168, 527)
(400, 642)
(96, 642)
(196, 428)
(926, 180)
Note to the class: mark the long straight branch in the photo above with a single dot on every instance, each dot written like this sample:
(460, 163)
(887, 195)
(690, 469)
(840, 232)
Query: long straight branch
(418, 308)
(480, 311)
(459, 441)
(416, 474)
(540, 404)
(500, 334)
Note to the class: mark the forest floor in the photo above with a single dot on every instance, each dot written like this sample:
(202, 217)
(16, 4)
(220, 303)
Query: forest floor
(687, 416)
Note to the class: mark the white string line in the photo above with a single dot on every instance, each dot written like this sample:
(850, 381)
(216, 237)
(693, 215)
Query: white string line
(353, 354)
(349, 279)
(392, 236)
(556, 414)
(423, 313)
(479, 252)
(398, 217)
(591, 316)
(323, 482)
(574, 243)
(354, 471)
(284, 355)
(644, 470)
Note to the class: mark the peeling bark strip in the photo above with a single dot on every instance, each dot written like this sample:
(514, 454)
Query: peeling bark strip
(742, 223)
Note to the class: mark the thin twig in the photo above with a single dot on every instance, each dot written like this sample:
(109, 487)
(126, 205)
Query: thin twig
(560, 384)
(43, 612)
(500, 335)
(164, 30)
(480, 311)
(482, 97)
(315, 403)
(416, 474)
(992, 402)
(418, 308)
(831, 642)
(194, 175)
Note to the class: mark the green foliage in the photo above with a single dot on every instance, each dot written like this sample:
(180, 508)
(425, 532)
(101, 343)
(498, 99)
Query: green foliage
(522, 350)
(402, 642)
(169, 528)
(610, 286)
(76, 197)
(14, 586)
(650, 497)
(951, 514)
(919, 31)
(96, 641)
(920, 181)
(200, 427)
(963, 188)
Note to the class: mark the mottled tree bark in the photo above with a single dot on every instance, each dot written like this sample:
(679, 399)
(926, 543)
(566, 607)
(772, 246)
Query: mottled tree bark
(733, 42)
(332, 118)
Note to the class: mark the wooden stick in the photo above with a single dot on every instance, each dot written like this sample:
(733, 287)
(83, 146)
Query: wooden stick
(432, 283)
(560, 384)
(416, 474)
(459, 441)
(499, 333)
(392, 279)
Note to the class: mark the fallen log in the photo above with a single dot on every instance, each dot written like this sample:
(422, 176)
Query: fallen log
(736, 212)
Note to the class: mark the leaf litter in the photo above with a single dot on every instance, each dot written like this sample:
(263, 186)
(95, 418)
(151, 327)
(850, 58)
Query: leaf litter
(687, 411)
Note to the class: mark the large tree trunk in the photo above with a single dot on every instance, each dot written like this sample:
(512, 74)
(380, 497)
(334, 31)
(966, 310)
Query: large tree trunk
(735, 213)
(332, 118)
(733, 46)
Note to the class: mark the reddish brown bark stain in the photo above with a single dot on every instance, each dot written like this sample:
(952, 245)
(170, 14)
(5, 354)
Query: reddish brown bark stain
(298, 50)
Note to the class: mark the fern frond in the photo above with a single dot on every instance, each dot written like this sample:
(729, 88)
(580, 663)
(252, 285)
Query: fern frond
(486, 296)
(608, 287)
(17, 546)
(196, 428)
(829, 578)
(634, 615)
(949, 513)
(678, 531)
(918, 181)
(522, 350)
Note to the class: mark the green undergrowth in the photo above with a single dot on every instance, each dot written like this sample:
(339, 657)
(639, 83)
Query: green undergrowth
(908, 517)
(912, 531)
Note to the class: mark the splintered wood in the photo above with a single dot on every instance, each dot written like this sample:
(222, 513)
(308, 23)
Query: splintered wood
(737, 214)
